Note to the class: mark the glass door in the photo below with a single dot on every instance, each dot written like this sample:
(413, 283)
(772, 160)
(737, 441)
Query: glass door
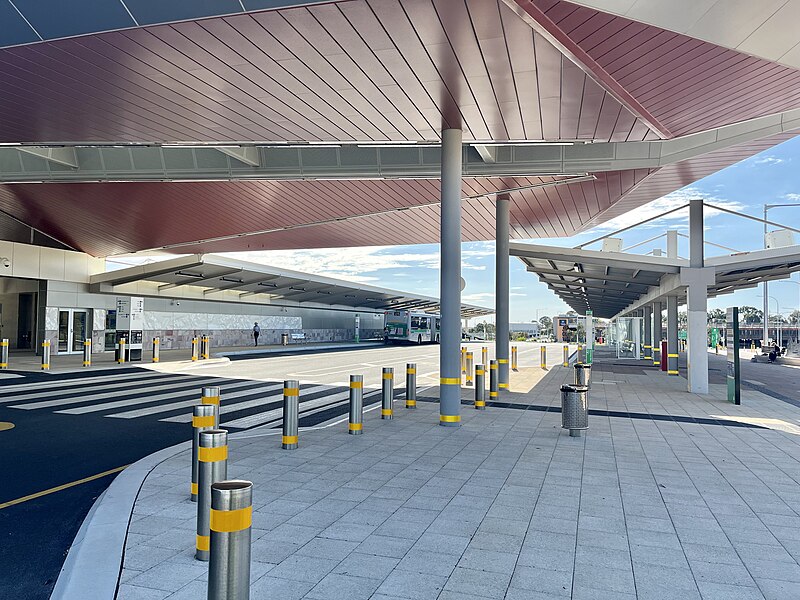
(73, 327)
(79, 329)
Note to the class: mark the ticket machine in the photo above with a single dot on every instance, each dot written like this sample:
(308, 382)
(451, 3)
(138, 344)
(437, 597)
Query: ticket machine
(130, 325)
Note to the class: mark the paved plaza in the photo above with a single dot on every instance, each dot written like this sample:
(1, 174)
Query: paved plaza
(668, 495)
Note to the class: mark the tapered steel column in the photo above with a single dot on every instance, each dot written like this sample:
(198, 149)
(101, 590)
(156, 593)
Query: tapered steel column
(648, 333)
(450, 280)
(501, 291)
(672, 335)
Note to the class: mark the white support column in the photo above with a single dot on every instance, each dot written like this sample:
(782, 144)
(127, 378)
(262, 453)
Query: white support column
(502, 291)
(697, 279)
(450, 281)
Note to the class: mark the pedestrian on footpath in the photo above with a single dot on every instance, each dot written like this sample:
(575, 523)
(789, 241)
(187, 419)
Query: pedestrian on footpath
(256, 332)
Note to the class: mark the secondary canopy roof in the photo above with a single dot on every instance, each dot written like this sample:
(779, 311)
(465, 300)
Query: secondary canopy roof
(217, 275)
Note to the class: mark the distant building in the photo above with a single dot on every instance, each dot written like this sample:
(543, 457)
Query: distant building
(565, 327)
(530, 329)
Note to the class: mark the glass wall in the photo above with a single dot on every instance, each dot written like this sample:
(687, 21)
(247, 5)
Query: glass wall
(628, 335)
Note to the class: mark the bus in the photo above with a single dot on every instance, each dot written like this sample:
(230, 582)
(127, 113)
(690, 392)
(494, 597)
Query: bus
(409, 326)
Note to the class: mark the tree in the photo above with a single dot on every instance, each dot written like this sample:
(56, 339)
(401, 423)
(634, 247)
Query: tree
(750, 315)
(546, 324)
(716, 315)
(794, 317)
(683, 319)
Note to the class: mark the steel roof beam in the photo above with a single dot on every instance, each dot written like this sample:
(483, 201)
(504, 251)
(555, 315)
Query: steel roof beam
(225, 162)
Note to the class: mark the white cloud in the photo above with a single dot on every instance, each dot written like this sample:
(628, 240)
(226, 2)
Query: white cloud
(666, 203)
(768, 160)
(793, 197)
(479, 297)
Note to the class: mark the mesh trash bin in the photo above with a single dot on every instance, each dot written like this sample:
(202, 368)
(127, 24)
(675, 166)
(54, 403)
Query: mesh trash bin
(574, 408)
(583, 374)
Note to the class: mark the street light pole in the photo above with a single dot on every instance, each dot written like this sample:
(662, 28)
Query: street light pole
(766, 290)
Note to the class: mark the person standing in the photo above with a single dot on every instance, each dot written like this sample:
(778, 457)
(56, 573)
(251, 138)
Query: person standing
(256, 332)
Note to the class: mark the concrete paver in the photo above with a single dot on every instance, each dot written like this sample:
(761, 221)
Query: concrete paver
(508, 505)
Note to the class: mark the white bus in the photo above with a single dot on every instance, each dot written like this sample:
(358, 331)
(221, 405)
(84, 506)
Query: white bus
(409, 326)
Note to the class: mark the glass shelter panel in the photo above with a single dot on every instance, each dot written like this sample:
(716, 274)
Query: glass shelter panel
(629, 333)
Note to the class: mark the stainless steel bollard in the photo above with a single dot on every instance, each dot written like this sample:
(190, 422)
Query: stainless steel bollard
(387, 393)
(463, 360)
(469, 368)
(583, 374)
(484, 356)
(156, 349)
(480, 387)
(204, 354)
(46, 355)
(493, 380)
(355, 424)
(411, 385)
(211, 396)
(543, 357)
(230, 521)
(580, 356)
(202, 420)
(574, 408)
(87, 353)
(4, 354)
(565, 362)
(291, 414)
(121, 350)
(194, 349)
(212, 457)
(514, 358)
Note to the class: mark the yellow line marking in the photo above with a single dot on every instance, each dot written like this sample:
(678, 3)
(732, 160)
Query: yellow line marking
(6, 425)
(58, 488)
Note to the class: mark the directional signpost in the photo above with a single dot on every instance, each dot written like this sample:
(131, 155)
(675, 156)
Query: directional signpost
(732, 340)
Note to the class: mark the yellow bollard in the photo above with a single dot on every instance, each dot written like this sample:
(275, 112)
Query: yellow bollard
(469, 368)
(46, 355)
(543, 360)
(513, 358)
(194, 349)
(156, 349)
(484, 356)
(463, 360)
(87, 353)
(565, 362)
(121, 357)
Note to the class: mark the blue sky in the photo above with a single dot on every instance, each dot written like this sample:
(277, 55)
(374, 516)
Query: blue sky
(770, 177)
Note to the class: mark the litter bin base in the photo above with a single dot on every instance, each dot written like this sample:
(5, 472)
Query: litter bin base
(574, 433)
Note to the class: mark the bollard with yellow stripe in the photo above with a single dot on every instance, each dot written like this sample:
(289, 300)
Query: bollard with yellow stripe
(672, 363)
(580, 357)
(230, 523)
(469, 369)
(480, 387)
(411, 385)
(202, 420)
(46, 355)
(206, 347)
(565, 360)
(212, 461)
(4, 354)
(355, 424)
(211, 396)
(543, 358)
(514, 358)
(121, 350)
(156, 349)
(484, 356)
(291, 414)
(87, 353)
(194, 349)
(501, 384)
(387, 394)
(494, 378)
(463, 361)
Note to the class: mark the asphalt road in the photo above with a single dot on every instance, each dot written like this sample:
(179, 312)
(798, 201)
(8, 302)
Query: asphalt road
(72, 426)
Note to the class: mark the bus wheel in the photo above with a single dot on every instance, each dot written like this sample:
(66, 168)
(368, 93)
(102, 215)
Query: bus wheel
(419, 339)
